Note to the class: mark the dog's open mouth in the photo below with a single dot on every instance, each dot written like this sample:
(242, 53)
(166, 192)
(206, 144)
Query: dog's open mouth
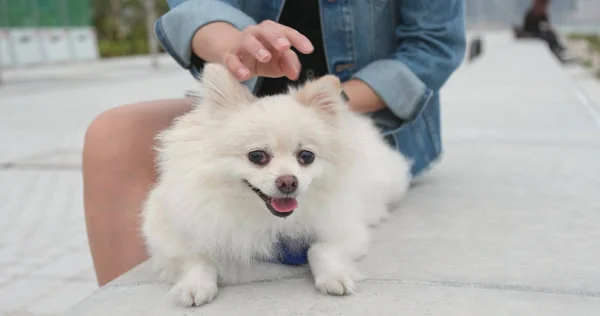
(278, 206)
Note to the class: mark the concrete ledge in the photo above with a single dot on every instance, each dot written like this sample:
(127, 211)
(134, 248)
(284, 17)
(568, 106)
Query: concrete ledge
(376, 297)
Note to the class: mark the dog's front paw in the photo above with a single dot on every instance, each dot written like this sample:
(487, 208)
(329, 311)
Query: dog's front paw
(334, 274)
(189, 294)
(339, 283)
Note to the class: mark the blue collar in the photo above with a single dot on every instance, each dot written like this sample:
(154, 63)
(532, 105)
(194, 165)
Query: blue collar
(293, 252)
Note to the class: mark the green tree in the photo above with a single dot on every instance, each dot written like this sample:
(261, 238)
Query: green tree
(121, 26)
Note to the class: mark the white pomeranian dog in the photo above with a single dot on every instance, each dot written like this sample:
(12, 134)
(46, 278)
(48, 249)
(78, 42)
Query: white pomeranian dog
(251, 188)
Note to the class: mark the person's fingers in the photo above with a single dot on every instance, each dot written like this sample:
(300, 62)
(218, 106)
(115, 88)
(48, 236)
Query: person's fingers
(299, 41)
(253, 46)
(289, 64)
(254, 43)
(236, 67)
(273, 33)
(282, 37)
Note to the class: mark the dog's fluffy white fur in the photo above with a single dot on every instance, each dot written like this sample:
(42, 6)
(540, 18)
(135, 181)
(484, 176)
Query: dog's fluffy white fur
(204, 225)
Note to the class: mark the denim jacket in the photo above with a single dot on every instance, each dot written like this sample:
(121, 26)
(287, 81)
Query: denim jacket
(404, 50)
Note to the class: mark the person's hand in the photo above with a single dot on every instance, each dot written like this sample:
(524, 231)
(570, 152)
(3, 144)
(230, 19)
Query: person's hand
(265, 50)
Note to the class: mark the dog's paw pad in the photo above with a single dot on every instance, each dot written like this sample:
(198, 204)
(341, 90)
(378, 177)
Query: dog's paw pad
(340, 284)
(188, 295)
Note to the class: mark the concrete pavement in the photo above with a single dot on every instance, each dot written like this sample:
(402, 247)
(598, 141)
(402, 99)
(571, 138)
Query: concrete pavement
(45, 265)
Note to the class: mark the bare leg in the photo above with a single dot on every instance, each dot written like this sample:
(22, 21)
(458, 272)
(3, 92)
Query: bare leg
(118, 168)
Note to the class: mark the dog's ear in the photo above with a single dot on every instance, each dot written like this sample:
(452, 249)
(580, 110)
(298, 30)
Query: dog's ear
(221, 89)
(323, 94)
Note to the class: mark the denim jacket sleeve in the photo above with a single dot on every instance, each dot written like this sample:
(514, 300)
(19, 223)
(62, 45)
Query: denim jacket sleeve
(176, 28)
(431, 36)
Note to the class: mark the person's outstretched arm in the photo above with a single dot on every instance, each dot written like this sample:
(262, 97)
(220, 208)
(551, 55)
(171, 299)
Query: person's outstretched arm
(218, 31)
(432, 44)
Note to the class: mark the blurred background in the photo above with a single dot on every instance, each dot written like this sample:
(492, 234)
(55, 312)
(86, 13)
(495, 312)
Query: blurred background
(62, 62)
(38, 32)
(566, 15)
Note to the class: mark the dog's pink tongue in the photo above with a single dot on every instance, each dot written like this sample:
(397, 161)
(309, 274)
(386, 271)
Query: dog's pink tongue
(284, 205)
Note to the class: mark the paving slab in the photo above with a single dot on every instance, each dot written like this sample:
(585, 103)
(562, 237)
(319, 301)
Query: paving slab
(508, 223)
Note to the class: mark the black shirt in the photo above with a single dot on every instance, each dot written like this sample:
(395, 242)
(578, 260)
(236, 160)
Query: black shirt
(304, 17)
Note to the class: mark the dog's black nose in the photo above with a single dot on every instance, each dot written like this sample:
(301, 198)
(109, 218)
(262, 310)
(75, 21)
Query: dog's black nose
(287, 184)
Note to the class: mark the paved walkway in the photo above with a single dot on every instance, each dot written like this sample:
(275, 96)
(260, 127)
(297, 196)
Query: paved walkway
(45, 266)
(508, 223)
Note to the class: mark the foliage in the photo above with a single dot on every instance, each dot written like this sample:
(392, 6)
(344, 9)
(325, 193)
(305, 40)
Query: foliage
(109, 48)
(586, 63)
(121, 26)
(594, 43)
(592, 39)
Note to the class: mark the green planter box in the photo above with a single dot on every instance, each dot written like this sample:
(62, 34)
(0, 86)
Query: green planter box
(50, 13)
(79, 13)
(21, 13)
(45, 13)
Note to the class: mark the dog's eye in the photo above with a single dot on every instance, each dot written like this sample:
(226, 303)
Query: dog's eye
(258, 157)
(306, 157)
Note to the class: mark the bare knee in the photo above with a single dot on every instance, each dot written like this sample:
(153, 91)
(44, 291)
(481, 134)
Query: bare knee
(106, 137)
(118, 153)
(121, 140)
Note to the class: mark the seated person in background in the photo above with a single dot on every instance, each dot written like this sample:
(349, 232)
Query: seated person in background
(537, 24)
